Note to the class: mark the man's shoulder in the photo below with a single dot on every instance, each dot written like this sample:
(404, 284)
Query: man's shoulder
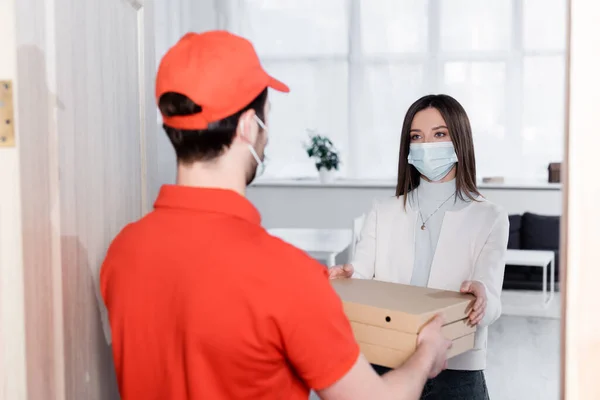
(286, 251)
(132, 237)
(292, 263)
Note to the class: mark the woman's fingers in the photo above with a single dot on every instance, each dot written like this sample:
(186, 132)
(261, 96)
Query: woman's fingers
(478, 305)
(476, 316)
(466, 287)
(477, 320)
(345, 271)
(335, 272)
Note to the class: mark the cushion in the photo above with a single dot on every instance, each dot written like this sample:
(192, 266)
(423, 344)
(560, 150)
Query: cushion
(540, 232)
(514, 236)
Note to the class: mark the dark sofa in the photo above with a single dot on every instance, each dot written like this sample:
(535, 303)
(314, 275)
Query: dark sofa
(532, 232)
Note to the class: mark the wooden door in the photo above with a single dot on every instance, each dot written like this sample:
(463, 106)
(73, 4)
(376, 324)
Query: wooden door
(88, 155)
(103, 138)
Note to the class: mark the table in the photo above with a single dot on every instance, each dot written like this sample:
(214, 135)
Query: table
(322, 244)
(535, 258)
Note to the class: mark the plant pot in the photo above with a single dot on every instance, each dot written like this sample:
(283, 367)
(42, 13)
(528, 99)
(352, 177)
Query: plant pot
(326, 175)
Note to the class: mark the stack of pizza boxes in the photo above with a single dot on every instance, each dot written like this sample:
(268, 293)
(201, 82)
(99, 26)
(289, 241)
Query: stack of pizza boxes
(387, 317)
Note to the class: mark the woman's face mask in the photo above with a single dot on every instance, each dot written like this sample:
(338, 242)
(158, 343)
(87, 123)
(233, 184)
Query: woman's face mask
(433, 160)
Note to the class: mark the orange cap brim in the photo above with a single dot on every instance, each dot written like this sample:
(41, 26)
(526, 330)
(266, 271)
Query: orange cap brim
(278, 85)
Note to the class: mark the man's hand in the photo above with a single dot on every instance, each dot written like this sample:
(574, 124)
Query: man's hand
(433, 342)
(341, 271)
(476, 288)
(405, 382)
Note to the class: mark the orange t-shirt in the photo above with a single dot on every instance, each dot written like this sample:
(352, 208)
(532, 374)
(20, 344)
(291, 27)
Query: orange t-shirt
(205, 304)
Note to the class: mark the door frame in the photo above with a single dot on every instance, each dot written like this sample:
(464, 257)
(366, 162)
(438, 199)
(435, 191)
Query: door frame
(580, 265)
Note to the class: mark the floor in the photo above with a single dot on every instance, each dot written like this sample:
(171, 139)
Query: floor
(524, 349)
(529, 304)
(524, 359)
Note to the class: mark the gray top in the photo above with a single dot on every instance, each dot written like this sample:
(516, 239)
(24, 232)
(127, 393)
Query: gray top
(430, 196)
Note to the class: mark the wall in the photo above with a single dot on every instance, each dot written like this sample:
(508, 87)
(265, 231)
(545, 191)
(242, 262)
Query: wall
(12, 325)
(311, 205)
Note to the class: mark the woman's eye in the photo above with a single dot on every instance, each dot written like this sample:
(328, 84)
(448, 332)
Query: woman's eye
(415, 137)
(440, 134)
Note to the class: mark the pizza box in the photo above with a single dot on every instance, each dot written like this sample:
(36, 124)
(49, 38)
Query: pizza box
(386, 318)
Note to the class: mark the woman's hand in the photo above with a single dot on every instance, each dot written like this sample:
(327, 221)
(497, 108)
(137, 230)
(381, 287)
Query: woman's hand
(341, 271)
(478, 290)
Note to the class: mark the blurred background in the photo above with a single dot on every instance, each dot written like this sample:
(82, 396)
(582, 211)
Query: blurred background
(90, 156)
(354, 67)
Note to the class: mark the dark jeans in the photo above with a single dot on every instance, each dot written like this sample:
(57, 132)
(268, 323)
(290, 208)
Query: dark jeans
(452, 385)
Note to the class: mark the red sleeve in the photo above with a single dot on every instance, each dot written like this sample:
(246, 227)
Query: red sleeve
(317, 336)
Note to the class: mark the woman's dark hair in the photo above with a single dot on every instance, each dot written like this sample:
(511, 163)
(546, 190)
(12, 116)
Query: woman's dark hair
(203, 145)
(459, 128)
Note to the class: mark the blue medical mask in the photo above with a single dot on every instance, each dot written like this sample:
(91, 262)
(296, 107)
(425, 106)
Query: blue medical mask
(433, 160)
(260, 165)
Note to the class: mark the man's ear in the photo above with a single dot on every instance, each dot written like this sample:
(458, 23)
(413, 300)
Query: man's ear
(246, 129)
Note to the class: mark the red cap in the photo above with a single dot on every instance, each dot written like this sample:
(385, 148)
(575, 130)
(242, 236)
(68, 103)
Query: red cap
(217, 70)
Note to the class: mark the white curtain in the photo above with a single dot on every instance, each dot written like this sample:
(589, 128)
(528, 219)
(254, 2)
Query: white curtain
(174, 18)
(354, 67)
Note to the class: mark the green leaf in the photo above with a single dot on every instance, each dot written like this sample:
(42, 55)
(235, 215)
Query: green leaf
(321, 148)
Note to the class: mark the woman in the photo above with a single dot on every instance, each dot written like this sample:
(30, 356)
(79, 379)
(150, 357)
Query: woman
(439, 232)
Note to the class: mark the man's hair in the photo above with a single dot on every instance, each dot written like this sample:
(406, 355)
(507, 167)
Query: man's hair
(207, 144)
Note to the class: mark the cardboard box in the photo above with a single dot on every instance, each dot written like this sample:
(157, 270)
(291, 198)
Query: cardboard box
(387, 317)
(554, 172)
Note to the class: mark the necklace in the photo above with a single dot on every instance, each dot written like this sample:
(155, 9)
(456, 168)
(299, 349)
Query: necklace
(424, 221)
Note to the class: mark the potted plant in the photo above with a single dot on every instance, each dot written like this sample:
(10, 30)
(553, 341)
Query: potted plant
(325, 154)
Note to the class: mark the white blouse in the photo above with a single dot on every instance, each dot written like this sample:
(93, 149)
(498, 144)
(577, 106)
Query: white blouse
(426, 199)
(471, 245)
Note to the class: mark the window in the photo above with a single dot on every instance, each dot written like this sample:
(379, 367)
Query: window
(305, 44)
(355, 66)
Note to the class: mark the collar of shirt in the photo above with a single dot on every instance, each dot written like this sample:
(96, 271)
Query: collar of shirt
(436, 191)
(211, 200)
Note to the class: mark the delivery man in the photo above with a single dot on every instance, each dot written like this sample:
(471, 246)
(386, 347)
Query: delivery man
(203, 303)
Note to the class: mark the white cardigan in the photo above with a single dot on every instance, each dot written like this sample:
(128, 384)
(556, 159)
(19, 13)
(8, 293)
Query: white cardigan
(472, 246)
